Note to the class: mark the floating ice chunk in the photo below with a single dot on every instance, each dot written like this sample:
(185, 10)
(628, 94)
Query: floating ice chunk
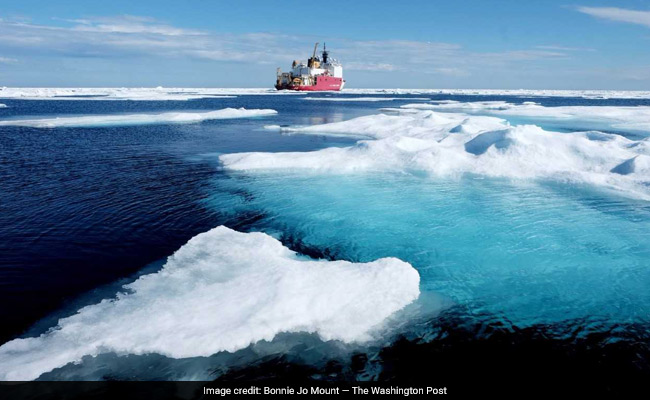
(137, 119)
(415, 124)
(222, 291)
(148, 94)
(3, 105)
(349, 159)
(444, 101)
(632, 119)
(453, 144)
(586, 94)
(362, 99)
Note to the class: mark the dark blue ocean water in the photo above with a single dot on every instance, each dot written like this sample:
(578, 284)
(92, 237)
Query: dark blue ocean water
(81, 207)
(551, 271)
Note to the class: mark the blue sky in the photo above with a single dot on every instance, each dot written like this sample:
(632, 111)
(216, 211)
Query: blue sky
(408, 44)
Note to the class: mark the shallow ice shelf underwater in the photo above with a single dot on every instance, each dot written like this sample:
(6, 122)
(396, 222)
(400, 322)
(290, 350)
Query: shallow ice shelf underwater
(525, 224)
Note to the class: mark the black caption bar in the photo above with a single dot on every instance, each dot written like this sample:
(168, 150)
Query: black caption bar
(207, 390)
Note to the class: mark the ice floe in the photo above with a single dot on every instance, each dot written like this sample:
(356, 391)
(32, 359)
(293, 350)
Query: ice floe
(365, 99)
(222, 291)
(406, 123)
(453, 144)
(144, 94)
(137, 119)
(585, 94)
(160, 93)
(631, 119)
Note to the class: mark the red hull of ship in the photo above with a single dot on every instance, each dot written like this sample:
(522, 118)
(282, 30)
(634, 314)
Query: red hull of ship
(323, 83)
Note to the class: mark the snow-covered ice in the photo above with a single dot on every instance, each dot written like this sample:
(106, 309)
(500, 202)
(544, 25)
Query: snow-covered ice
(365, 99)
(632, 118)
(160, 93)
(585, 94)
(222, 291)
(144, 94)
(137, 119)
(453, 144)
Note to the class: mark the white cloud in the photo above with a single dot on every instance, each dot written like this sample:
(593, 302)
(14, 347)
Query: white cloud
(361, 66)
(121, 37)
(140, 36)
(447, 59)
(524, 55)
(564, 48)
(451, 71)
(131, 24)
(7, 60)
(618, 14)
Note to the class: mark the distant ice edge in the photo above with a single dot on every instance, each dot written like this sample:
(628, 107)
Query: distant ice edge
(449, 144)
(222, 291)
(177, 117)
(176, 93)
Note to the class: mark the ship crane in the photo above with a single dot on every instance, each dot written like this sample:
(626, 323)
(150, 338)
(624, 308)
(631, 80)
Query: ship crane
(313, 57)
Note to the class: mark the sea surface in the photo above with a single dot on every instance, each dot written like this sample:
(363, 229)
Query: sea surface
(534, 276)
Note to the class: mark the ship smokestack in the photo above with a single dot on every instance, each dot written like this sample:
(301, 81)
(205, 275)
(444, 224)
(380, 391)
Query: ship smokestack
(325, 53)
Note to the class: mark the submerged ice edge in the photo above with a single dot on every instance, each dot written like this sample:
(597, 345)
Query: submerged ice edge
(214, 295)
(137, 119)
(452, 144)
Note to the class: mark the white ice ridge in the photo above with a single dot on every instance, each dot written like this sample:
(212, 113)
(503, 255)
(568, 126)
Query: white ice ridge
(222, 291)
(585, 94)
(453, 144)
(631, 118)
(137, 119)
(148, 94)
